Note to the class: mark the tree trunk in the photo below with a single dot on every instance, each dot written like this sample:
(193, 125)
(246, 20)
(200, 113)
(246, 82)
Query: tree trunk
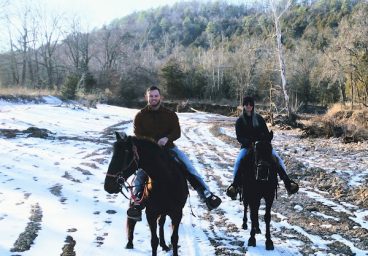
(280, 55)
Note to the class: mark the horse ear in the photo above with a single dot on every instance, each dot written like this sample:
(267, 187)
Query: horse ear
(121, 136)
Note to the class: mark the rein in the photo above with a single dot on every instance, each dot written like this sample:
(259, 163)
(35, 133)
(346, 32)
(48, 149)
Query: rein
(119, 176)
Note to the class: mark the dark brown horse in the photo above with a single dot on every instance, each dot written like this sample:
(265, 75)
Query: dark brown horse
(259, 179)
(167, 188)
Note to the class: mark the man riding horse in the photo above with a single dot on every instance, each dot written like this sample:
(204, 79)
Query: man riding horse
(249, 128)
(162, 125)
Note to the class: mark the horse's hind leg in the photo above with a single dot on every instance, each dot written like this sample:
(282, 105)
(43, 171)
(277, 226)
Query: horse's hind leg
(176, 218)
(161, 224)
(130, 232)
(267, 219)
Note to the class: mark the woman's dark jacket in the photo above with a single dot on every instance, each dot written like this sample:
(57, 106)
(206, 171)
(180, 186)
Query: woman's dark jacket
(250, 129)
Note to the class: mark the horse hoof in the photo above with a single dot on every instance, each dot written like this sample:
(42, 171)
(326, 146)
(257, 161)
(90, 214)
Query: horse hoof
(245, 226)
(129, 246)
(252, 242)
(165, 247)
(269, 245)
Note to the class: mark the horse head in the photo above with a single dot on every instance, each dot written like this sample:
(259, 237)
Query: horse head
(123, 163)
(263, 146)
(263, 156)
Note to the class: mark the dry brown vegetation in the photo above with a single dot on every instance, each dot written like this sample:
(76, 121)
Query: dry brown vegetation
(24, 91)
(340, 121)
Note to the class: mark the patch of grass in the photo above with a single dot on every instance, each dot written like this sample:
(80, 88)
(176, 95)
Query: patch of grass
(24, 91)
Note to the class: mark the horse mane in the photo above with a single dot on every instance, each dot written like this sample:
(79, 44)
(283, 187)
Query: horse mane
(151, 145)
(149, 142)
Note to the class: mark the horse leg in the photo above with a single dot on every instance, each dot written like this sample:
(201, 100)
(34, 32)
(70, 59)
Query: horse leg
(245, 220)
(161, 224)
(130, 232)
(267, 219)
(152, 222)
(176, 218)
(254, 207)
(256, 221)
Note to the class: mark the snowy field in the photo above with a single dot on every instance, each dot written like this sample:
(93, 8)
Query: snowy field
(52, 196)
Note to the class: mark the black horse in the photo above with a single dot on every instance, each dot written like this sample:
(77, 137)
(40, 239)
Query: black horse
(259, 179)
(166, 191)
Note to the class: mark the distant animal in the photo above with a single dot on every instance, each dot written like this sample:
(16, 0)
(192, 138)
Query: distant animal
(167, 189)
(259, 180)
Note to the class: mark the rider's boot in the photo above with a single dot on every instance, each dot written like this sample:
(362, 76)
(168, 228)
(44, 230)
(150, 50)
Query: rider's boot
(135, 210)
(234, 188)
(212, 201)
(291, 186)
(232, 191)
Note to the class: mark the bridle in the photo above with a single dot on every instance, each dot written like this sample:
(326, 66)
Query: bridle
(123, 183)
(262, 166)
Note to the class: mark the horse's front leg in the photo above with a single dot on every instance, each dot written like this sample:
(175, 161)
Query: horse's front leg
(161, 224)
(267, 219)
(152, 222)
(176, 218)
(254, 207)
(130, 232)
(245, 219)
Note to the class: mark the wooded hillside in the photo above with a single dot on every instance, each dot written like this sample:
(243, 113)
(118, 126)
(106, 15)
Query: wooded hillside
(208, 51)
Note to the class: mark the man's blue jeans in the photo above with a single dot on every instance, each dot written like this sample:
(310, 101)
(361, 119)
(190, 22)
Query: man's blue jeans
(243, 153)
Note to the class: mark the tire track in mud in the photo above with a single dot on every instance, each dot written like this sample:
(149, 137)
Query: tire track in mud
(213, 154)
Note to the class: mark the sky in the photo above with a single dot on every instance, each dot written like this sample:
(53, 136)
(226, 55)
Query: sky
(100, 12)
(57, 184)
(93, 13)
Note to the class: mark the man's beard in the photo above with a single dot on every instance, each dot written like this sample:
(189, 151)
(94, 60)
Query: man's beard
(156, 105)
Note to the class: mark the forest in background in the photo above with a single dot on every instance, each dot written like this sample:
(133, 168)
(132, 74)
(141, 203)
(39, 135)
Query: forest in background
(292, 52)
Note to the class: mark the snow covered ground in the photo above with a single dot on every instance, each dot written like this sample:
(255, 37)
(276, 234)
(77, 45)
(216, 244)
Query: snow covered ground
(52, 196)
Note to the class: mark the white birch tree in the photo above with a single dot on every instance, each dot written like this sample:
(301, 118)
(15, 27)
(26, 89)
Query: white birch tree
(278, 9)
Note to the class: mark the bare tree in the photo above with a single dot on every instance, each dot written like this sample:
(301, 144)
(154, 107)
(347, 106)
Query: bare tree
(21, 26)
(278, 9)
(77, 43)
(109, 48)
(246, 60)
(50, 31)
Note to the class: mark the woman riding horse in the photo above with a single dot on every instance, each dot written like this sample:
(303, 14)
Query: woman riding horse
(249, 127)
(259, 179)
